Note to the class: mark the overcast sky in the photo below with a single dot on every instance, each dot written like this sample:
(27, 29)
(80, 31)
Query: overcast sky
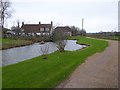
(99, 15)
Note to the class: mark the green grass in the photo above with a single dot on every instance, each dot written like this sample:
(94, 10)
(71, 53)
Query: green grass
(107, 37)
(9, 43)
(113, 38)
(40, 73)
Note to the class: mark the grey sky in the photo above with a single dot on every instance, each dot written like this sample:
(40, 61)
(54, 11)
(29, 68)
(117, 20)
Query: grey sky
(98, 14)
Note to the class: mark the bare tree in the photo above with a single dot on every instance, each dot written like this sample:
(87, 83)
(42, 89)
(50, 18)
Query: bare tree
(74, 30)
(44, 50)
(18, 23)
(17, 28)
(5, 11)
(82, 32)
(61, 45)
(60, 39)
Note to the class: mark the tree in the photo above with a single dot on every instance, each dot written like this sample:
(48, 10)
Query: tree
(44, 50)
(17, 28)
(60, 38)
(74, 30)
(5, 11)
(82, 32)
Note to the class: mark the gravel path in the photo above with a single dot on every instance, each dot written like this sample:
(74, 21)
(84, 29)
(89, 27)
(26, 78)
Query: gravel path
(99, 70)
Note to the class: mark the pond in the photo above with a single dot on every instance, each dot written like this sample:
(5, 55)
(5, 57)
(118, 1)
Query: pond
(15, 55)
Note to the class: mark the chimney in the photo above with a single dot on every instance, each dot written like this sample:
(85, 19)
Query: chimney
(39, 25)
(18, 24)
(22, 23)
(51, 23)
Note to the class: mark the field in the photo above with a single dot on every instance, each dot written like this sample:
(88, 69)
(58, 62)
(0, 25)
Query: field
(9, 43)
(40, 73)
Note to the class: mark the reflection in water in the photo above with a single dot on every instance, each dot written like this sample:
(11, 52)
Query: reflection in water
(14, 55)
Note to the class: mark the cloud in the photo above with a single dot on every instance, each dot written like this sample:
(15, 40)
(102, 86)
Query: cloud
(98, 14)
(63, 1)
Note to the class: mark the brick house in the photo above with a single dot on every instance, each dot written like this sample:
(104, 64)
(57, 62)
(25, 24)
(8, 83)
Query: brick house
(67, 30)
(37, 29)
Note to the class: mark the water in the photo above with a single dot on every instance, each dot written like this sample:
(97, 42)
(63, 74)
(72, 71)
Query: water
(15, 55)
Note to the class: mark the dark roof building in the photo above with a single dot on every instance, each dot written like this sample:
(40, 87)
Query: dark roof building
(37, 28)
(67, 30)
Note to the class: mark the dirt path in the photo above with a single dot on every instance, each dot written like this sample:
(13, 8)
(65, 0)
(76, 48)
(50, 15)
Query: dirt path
(99, 71)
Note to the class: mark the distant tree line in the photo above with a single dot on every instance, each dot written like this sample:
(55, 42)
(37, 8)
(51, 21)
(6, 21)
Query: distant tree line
(77, 31)
(105, 35)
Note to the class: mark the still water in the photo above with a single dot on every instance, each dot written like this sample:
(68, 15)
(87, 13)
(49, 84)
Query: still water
(15, 55)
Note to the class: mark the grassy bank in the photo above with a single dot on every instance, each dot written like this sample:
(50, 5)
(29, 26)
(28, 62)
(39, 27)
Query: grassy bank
(107, 37)
(10, 43)
(39, 73)
(113, 38)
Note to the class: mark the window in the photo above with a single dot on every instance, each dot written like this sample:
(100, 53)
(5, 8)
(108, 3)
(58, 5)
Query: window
(46, 29)
(22, 30)
(41, 29)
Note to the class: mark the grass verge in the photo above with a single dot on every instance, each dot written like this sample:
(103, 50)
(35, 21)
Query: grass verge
(39, 73)
(10, 43)
(117, 38)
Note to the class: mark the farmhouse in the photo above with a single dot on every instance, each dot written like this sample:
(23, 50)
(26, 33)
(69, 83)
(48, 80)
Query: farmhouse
(37, 29)
(67, 30)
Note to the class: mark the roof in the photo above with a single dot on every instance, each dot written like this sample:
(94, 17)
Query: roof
(65, 29)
